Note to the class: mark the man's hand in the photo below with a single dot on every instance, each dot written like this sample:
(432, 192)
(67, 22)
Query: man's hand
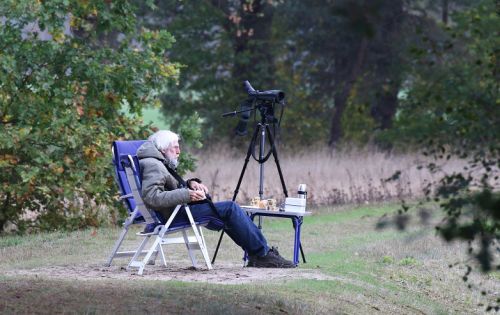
(197, 195)
(198, 186)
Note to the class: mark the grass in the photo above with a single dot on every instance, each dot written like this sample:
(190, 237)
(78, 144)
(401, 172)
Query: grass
(356, 269)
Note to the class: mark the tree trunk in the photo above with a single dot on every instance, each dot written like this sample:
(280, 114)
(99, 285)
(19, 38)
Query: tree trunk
(387, 104)
(336, 122)
(444, 16)
(344, 84)
(3, 215)
(387, 64)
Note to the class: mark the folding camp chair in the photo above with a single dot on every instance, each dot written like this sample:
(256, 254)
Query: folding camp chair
(120, 148)
(162, 232)
(129, 181)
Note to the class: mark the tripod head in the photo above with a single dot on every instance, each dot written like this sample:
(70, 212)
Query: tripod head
(263, 101)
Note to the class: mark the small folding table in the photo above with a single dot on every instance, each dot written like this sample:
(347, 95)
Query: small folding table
(297, 220)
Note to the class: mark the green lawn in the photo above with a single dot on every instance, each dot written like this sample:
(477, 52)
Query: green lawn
(351, 268)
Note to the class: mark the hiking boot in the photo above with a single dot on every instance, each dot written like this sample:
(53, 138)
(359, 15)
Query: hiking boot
(272, 260)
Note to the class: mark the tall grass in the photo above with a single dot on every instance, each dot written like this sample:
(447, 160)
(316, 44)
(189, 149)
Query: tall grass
(332, 177)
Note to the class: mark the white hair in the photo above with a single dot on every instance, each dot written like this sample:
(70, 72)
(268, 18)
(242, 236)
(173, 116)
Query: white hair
(162, 139)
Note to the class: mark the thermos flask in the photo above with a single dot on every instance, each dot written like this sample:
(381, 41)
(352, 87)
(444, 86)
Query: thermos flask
(302, 191)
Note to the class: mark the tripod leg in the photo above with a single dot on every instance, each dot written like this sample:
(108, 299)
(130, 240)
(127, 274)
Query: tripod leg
(218, 245)
(249, 152)
(247, 158)
(276, 160)
(302, 253)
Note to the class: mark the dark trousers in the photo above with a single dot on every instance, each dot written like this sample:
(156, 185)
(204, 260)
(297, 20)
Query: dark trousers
(237, 224)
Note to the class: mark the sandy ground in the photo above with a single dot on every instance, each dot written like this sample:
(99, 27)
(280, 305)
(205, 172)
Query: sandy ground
(223, 273)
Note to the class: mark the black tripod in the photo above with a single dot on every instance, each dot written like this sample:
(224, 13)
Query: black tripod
(261, 130)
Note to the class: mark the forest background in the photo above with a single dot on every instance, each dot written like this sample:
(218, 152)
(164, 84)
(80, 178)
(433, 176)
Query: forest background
(402, 75)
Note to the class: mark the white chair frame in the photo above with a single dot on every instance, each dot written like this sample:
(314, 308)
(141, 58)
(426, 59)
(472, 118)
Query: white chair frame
(162, 232)
(126, 225)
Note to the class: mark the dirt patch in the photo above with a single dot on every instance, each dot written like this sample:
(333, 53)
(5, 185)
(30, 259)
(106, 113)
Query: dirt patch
(221, 274)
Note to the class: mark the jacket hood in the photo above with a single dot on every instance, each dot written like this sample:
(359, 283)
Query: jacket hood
(149, 150)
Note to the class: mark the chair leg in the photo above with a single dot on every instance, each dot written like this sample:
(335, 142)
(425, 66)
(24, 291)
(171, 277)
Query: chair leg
(150, 253)
(162, 255)
(203, 248)
(153, 258)
(190, 250)
(199, 239)
(207, 257)
(200, 230)
(139, 251)
(117, 245)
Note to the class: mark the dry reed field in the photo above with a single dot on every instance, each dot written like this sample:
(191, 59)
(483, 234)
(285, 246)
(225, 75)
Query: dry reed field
(356, 176)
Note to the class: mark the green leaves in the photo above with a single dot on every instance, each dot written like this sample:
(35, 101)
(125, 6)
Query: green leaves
(60, 105)
(190, 132)
(452, 108)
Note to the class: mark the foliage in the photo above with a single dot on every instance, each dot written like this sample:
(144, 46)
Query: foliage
(357, 124)
(190, 133)
(342, 64)
(67, 68)
(224, 43)
(204, 46)
(452, 108)
(346, 56)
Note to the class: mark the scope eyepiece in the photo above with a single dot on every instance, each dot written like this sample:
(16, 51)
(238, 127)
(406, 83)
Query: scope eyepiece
(248, 87)
(270, 95)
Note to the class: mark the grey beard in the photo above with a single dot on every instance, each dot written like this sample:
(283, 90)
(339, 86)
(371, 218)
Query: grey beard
(172, 163)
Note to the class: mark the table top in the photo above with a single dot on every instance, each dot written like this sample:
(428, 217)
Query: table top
(250, 209)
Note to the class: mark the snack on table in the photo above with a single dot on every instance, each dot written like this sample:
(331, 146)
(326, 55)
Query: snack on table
(263, 204)
(268, 204)
(271, 205)
(255, 202)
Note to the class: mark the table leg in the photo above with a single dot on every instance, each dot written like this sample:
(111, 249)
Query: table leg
(301, 220)
(296, 244)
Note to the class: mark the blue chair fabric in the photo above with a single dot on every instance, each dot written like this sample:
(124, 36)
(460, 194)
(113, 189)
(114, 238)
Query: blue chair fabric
(121, 148)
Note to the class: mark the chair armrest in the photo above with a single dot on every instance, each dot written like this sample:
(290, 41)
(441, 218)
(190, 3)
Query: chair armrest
(126, 196)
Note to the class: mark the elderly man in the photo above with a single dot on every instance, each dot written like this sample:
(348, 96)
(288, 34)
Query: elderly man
(162, 190)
